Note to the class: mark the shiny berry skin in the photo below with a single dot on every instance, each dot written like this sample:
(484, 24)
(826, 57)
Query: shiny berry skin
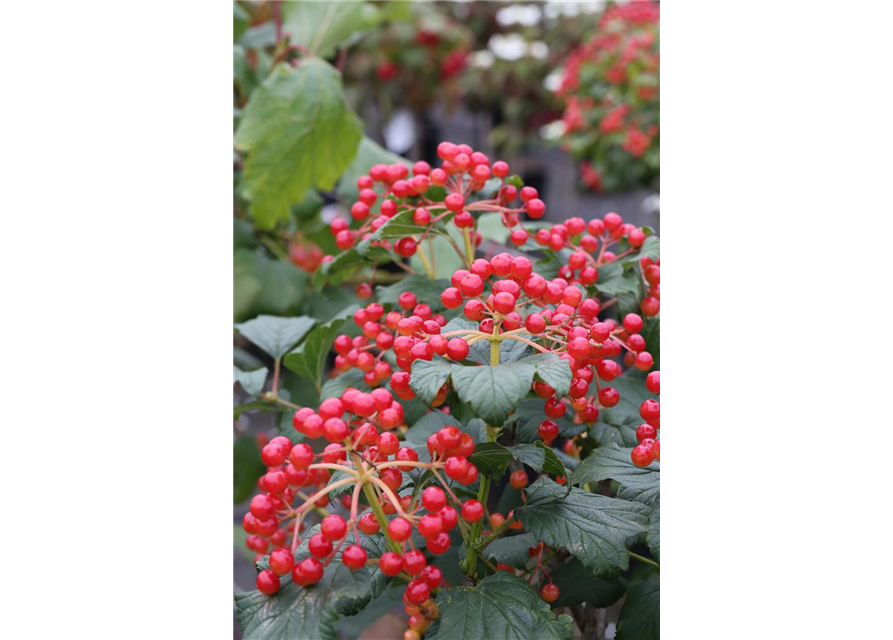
(451, 298)
(457, 349)
(535, 323)
(652, 382)
(273, 454)
(633, 322)
(649, 410)
(471, 476)
(319, 545)
(399, 529)
(433, 499)
(548, 430)
(301, 456)
(417, 591)
(368, 524)
(656, 450)
(354, 557)
(449, 437)
(472, 510)
(261, 507)
(333, 527)
(608, 396)
(645, 431)
(535, 207)
(504, 302)
(432, 576)
(454, 202)
(405, 247)
(268, 582)
(430, 525)
(644, 361)
(456, 468)
(281, 561)
(642, 455)
(390, 563)
(449, 518)
(554, 408)
(438, 544)
(651, 306)
(518, 479)
(311, 571)
(405, 454)
(471, 286)
(414, 561)
(550, 592)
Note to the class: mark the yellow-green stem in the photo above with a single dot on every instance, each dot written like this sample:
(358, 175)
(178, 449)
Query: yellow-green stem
(471, 555)
(379, 515)
(469, 247)
(424, 258)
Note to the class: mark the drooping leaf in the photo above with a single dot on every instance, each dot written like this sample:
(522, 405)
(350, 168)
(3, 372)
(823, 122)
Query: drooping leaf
(611, 462)
(312, 612)
(632, 390)
(614, 279)
(531, 413)
(321, 27)
(493, 392)
(511, 550)
(425, 289)
(623, 435)
(428, 376)
(577, 584)
(553, 371)
(640, 616)
(368, 153)
(274, 335)
(298, 132)
(593, 528)
(539, 457)
(252, 381)
(247, 468)
(501, 606)
(309, 359)
(491, 459)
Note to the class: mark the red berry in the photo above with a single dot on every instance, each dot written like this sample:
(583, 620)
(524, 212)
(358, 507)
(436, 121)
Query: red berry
(653, 382)
(268, 582)
(414, 561)
(451, 298)
(333, 527)
(456, 467)
(633, 323)
(518, 479)
(405, 247)
(472, 510)
(354, 557)
(642, 455)
(432, 576)
(549, 592)
(649, 410)
(454, 202)
(273, 454)
(548, 430)
(439, 543)
(430, 525)
(262, 507)
(319, 545)
(311, 570)
(457, 349)
(645, 431)
(449, 517)
(471, 286)
(417, 591)
(449, 437)
(368, 524)
(433, 499)
(608, 396)
(528, 193)
(281, 561)
(656, 450)
(390, 563)
(555, 408)
(535, 207)
(399, 529)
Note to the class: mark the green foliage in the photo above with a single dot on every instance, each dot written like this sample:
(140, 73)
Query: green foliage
(252, 381)
(297, 132)
(611, 462)
(368, 153)
(578, 584)
(539, 457)
(493, 392)
(274, 335)
(309, 359)
(640, 616)
(247, 468)
(501, 606)
(321, 27)
(428, 376)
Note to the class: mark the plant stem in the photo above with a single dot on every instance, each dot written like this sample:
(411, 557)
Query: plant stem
(644, 559)
(424, 258)
(498, 531)
(379, 515)
(494, 346)
(471, 554)
(469, 247)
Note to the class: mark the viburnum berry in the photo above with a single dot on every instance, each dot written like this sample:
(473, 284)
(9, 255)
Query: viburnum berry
(439, 543)
(633, 323)
(333, 527)
(281, 561)
(656, 450)
(432, 576)
(368, 524)
(433, 499)
(652, 382)
(649, 410)
(472, 510)
(457, 349)
(518, 479)
(310, 571)
(642, 455)
(550, 592)
(548, 430)
(268, 582)
(354, 557)
(608, 396)
(390, 563)
(399, 529)
(645, 431)
(417, 591)
(414, 561)
(535, 207)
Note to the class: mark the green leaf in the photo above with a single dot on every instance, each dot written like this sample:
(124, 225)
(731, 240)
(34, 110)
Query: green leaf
(651, 332)
(298, 132)
(252, 381)
(502, 606)
(509, 350)
(428, 376)
(257, 405)
(622, 435)
(247, 468)
(511, 550)
(539, 457)
(353, 626)
(613, 279)
(632, 390)
(309, 359)
(577, 584)
(324, 26)
(640, 616)
(334, 387)
(493, 392)
(398, 226)
(425, 289)
(553, 371)
(274, 335)
(491, 458)
(653, 537)
(649, 249)
(265, 286)
(347, 261)
(241, 20)
(612, 462)
(368, 153)
(430, 423)
(531, 413)
(593, 528)
(311, 612)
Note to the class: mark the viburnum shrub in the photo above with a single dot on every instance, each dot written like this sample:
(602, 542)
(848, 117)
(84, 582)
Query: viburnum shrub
(611, 92)
(488, 443)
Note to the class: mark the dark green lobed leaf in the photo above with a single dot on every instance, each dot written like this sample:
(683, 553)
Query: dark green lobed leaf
(274, 335)
(493, 392)
(640, 616)
(309, 359)
(612, 462)
(578, 584)
(252, 381)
